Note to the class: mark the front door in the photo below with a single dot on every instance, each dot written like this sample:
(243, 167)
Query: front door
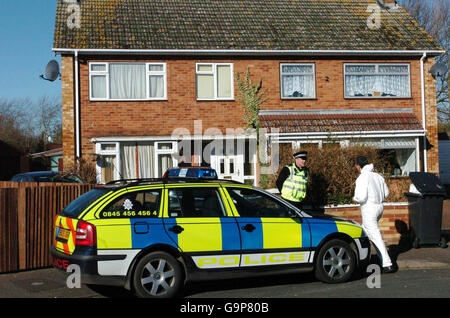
(229, 167)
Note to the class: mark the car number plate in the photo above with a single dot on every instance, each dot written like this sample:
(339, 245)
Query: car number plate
(63, 234)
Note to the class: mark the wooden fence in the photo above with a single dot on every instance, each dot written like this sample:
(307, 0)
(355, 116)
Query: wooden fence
(27, 213)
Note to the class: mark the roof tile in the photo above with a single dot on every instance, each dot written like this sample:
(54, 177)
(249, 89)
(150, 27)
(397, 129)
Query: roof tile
(239, 25)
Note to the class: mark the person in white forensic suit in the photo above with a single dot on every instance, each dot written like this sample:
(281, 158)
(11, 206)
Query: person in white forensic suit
(370, 192)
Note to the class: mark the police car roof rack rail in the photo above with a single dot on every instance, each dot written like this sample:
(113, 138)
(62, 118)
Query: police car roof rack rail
(133, 182)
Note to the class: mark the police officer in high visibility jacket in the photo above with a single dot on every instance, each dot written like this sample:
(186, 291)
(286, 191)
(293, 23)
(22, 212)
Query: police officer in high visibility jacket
(293, 179)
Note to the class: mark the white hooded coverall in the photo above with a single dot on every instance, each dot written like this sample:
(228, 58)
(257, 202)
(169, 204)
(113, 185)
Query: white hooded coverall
(370, 192)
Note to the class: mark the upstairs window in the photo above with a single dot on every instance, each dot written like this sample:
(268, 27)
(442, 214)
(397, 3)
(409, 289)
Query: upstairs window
(214, 81)
(377, 81)
(297, 81)
(127, 81)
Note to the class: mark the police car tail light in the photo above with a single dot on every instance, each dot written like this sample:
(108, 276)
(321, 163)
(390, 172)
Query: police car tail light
(86, 234)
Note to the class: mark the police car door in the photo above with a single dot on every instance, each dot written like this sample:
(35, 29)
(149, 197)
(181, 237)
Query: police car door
(198, 222)
(271, 232)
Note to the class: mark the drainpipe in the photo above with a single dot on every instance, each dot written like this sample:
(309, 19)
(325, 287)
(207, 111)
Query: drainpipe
(422, 79)
(77, 109)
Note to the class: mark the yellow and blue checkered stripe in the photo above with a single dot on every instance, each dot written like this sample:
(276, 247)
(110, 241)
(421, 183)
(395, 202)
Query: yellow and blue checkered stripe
(221, 234)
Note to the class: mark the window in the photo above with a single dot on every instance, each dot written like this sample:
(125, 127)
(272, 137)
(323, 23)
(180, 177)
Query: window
(139, 204)
(127, 81)
(195, 202)
(298, 81)
(398, 162)
(252, 203)
(214, 81)
(399, 155)
(77, 206)
(108, 162)
(377, 80)
(163, 157)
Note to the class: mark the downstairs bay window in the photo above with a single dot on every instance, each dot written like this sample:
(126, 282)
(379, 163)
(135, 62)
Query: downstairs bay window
(400, 155)
(133, 159)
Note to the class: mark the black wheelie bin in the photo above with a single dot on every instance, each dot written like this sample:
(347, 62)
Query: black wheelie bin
(425, 209)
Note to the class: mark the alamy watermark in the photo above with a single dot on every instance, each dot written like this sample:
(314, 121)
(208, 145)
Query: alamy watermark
(212, 142)
(74, 11)
(374, 279)
(74, 279)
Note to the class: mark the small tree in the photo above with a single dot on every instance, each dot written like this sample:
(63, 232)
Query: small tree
(251, 98)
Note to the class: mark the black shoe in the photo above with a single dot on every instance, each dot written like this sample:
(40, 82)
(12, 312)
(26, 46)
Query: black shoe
(388, 269)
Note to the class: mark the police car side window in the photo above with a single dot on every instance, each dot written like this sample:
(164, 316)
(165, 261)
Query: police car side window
(251, 203)
(195, 202)
(144, 204)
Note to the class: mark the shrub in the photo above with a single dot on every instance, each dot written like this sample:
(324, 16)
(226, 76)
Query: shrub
(85, 169)
(333, 173)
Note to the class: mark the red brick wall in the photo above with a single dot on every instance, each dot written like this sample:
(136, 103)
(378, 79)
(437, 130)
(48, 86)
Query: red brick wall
(395, 216)
(431, 118)
(181, 108)
(68, 110)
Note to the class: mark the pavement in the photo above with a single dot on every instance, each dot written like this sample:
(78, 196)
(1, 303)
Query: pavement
(51, 283)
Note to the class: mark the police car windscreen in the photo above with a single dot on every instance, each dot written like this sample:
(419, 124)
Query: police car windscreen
(74, 209)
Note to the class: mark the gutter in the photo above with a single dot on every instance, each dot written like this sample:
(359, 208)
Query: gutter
(348, 134)
(422, 81)
(213, 52)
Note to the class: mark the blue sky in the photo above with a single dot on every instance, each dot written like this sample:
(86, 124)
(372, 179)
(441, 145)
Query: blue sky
(26, 40)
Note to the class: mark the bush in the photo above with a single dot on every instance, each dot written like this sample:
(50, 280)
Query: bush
(85, 169)
(333, 173)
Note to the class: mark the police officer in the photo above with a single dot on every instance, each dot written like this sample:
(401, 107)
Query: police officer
(293, 179)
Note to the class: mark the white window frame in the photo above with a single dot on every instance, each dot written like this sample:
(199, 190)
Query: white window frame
(147, 80)
(300, 64)
(377, 65)
(158, 152)
(115, 152)
(215, 79)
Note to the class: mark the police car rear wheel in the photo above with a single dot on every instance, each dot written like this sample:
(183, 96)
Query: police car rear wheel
(157, 275)
(335, 263)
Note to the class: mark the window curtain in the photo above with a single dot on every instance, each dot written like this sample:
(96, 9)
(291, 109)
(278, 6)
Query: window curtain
(406, 159)
(128, 160)
(223, 81)
(107, 165)
(298, 80)
(146, 153)
(156, 86)
(165, 162)
(298, 86)
(127, 81)
(98, 83)
(205, 86)
(377, 85)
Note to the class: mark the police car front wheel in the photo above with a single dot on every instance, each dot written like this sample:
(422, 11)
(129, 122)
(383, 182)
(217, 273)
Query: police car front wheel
(157, 275)
(336, 262)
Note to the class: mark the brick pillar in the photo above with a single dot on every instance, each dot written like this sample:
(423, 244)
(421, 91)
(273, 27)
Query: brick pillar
(68, 110)
(431, 118)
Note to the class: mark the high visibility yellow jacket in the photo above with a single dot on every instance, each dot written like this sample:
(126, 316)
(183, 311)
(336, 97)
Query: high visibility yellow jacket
(294, 187)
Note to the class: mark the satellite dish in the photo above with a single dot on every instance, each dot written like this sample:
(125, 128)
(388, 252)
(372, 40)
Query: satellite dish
(51, 71)
(438, 69)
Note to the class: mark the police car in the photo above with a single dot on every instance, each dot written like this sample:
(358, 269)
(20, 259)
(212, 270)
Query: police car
(152, 236)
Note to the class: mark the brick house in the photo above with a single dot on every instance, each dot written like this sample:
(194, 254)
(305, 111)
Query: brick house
(143, 80)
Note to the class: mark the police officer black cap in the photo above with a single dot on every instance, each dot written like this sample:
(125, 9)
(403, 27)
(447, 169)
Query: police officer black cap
(301, 154)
